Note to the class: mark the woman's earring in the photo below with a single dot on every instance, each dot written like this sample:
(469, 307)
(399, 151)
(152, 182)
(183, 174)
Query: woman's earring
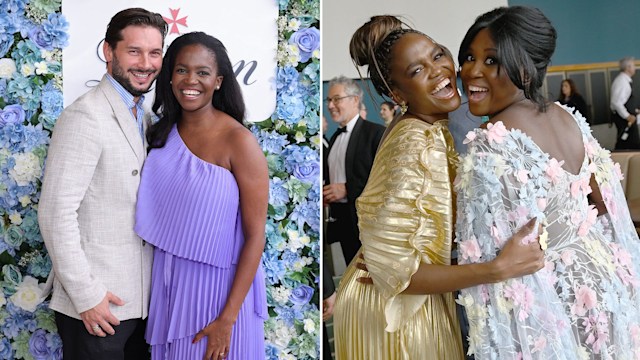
(171, 82)
(403, 108)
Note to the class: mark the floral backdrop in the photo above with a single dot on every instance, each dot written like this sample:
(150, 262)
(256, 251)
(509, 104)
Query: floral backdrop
(32, 35)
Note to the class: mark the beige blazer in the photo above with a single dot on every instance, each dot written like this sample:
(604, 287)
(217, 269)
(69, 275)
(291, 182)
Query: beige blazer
(87, 207)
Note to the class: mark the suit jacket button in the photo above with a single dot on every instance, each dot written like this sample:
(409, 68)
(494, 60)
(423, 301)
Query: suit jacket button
(134, 172)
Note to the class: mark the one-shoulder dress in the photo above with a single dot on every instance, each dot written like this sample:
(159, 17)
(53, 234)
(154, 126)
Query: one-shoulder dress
(405, 215)
(189, 210)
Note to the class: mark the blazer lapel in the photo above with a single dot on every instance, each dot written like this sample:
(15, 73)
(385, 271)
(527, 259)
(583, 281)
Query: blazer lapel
(352, 148)
(125, 119)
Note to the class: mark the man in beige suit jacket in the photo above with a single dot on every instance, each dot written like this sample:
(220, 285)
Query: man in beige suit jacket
(101, 268)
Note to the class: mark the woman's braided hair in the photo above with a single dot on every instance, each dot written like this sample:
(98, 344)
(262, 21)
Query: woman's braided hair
(371, 45)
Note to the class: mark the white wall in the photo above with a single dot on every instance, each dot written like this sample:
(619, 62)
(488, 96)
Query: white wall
(445, 21)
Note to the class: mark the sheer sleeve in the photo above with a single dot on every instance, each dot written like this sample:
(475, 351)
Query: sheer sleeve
(405, 213)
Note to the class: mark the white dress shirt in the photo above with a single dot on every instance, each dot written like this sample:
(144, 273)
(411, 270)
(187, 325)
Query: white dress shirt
(337, 155)
(620, 93)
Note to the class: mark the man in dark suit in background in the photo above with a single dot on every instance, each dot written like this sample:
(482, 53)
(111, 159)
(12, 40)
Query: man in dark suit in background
(352, 149)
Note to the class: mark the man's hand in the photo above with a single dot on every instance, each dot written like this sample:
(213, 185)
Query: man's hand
(631, 119)
(327, 306)
(334, 192)
(99, 319)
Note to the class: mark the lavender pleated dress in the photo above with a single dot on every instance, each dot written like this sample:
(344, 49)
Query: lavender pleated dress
(189, 210)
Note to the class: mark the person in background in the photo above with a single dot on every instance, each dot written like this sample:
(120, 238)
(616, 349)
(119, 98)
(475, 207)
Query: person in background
(388, 112)
(406, 212)
(352, 149)
(363, 110)
(203, 204)
(570, 97)
(101, 268)
(537, 160)
(625, 107)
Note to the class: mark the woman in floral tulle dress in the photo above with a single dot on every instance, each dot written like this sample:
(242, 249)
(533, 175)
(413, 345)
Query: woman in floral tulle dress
(537, 159)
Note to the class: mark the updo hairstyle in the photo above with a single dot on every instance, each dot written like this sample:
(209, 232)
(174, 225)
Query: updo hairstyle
(371, 45)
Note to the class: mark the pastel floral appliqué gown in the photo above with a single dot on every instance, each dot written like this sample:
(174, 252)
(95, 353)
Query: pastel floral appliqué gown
(584, 304)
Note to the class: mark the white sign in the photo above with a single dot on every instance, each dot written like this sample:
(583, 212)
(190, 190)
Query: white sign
(247, 28)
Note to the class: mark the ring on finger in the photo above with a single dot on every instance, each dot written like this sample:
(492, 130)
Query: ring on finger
(95, 327)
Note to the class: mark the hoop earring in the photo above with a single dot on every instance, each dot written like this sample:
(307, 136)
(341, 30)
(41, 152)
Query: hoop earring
(403, 108)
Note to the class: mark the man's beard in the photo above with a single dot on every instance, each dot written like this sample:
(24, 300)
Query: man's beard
(118, 73)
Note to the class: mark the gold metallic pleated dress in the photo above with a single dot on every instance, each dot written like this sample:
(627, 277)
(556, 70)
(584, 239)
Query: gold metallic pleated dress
(405, 216)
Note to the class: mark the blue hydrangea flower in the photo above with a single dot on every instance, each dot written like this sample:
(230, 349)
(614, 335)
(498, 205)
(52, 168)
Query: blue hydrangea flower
(6, 352)
(290, 108)
(307, 213)
(56, 27)
(52, 100)
(273, 267)
(272, 141)
(24, 91)
(17, 321)
(278, 193)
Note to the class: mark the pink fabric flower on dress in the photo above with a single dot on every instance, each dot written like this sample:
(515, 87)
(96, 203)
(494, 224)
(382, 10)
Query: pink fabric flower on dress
(607, 197)
(580, 187)
(567, 257)
(592, 216)
(542, 203)
(518, 215)
(470, 250)
(590, 148)
(550, 275)
(586, 299)
(624, 265)
(635, 334)
(521, 296)
(522, 176)
(496, 132)
(553, 170)
(471, 135)
(495, 233)
(540, 344)
(597, 326)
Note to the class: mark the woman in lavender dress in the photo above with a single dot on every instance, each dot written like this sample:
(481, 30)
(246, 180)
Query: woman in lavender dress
(203, 203)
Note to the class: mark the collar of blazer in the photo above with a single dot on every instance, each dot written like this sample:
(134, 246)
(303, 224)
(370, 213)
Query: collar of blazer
(352, 150)
(124, 118)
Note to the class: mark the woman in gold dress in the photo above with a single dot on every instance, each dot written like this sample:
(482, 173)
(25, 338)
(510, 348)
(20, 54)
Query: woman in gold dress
(406, 212)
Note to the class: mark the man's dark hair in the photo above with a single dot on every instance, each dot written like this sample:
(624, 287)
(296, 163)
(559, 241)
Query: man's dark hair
(133, 16)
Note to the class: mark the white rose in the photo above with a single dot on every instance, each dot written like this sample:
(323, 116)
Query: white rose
(7, 68)
(309, 326)
(27, 168)
(28, 295)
